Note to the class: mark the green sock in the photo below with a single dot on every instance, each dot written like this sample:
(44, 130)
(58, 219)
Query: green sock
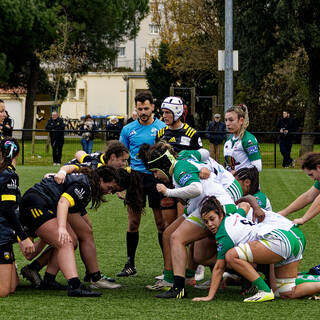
(261, 285)
(168, 275)
(190, 273)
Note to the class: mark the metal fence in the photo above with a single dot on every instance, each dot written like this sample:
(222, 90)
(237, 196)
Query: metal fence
(39, 152)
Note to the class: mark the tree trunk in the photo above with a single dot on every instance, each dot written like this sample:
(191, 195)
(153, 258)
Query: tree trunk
(312, 107)
(31, 94)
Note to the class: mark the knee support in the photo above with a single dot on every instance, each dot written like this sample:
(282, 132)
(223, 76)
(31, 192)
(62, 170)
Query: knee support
(284, 285)
(244, 252)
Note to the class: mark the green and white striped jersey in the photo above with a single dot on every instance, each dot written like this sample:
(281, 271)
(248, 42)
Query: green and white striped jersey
(236, 228)
(221, 175)
(240, 153)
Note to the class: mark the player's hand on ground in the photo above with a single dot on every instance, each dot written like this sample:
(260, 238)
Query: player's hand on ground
(204, 173)
(202, 299)
(299, 221)
(161, 188)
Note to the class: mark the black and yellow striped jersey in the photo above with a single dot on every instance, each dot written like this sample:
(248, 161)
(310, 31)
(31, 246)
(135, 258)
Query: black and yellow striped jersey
(10, 198)
(185, 138)
(92, 160)
(76, 189)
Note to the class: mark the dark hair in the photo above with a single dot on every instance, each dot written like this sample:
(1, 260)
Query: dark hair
(143, 153)
(252, 174)
(130, 180)
(115, 147)
(149, 153)
(310, 160)
(9, 148)
(211, 203)
(107, 174)
(1, 101)
(143, 96)
(87, 117)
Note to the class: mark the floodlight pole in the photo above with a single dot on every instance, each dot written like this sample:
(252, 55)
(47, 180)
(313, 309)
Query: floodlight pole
(228, 68)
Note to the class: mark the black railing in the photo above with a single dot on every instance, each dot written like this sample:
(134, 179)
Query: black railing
(40, 152)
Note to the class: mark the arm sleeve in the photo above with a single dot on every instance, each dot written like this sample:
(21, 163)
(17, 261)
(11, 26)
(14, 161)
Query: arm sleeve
(251, 148)
(9, 213)
(205, 154)
(78, 196)
(193, 190)
(61, 124)
(123, 138)
(257, 164)
(196, 141)
(223, 245)
(49, 125)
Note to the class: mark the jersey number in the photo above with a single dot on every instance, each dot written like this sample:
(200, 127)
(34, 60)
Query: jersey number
(244, 221)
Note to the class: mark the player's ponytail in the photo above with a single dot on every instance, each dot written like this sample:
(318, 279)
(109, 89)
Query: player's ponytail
(131, 182)
(242, 112)
(9, 148)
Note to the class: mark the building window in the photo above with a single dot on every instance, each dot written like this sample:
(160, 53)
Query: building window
(154, 28)
(72, 93)
(122, 51)
(81, 94)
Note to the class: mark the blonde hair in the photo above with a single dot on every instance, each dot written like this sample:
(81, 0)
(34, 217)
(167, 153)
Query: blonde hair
(242, 112)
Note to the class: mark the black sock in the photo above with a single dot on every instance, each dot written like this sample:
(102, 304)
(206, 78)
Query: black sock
(35, 265)
(95, 276)
(160, 241)
(132, 244)
(178, 282)
(74, 283)
(49, 277)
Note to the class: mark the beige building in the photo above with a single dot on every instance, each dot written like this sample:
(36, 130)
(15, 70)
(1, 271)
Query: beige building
(15, 101)
(143, 45)
(103, 94)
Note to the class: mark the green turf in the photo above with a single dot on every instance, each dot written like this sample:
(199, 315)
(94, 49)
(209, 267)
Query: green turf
(42, 155)
(133, 301)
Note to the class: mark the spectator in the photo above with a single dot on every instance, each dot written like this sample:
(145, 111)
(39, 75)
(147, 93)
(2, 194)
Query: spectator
(285, 126)
(2, 116)
(216, 135)
(133, 117)
(7, 126)
(113, 128)
(188, 117)
(55, 126)
(87, 133)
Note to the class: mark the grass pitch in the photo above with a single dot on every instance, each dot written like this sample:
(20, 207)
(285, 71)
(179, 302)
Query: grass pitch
(133, 301)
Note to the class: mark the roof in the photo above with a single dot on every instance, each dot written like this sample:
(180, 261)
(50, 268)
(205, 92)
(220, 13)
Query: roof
(17, 90)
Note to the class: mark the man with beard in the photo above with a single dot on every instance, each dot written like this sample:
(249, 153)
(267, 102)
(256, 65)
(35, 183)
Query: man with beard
(133, 135)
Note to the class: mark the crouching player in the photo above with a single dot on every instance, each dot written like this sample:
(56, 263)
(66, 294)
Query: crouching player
(10, 226)
(241, 242)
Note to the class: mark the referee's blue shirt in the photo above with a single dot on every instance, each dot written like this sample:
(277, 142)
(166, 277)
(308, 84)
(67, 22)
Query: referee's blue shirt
(134, 134)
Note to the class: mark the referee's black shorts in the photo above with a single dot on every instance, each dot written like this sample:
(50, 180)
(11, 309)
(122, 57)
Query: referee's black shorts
(149, 190)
